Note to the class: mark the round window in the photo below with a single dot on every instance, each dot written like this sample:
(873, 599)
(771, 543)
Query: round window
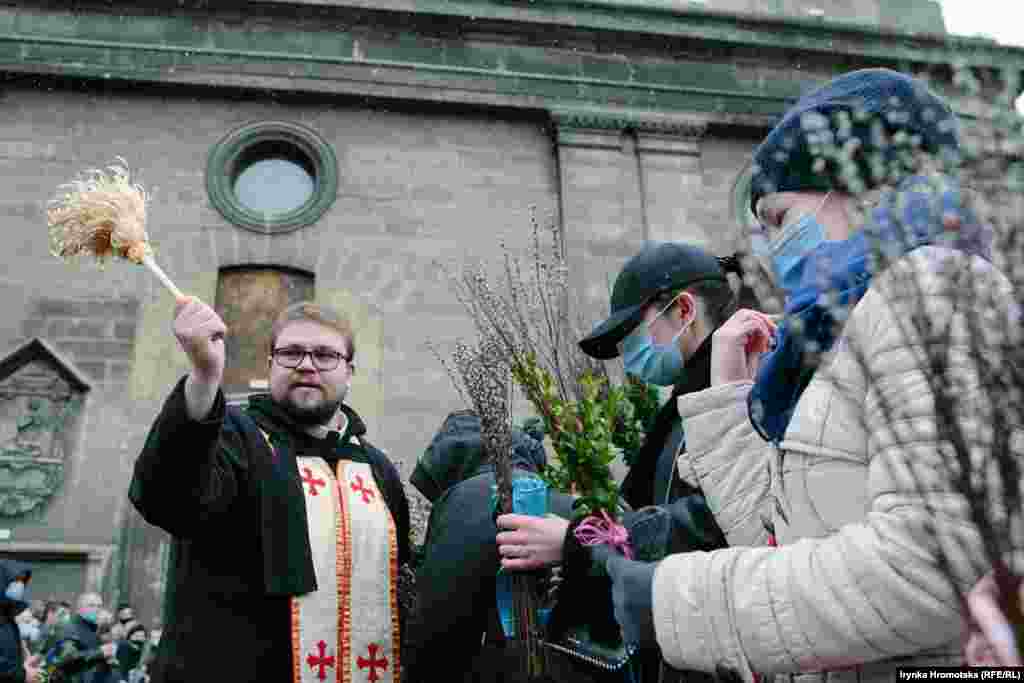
(272, 176)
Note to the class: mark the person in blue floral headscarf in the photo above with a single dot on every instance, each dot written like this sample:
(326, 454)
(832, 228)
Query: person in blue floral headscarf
(825, 430)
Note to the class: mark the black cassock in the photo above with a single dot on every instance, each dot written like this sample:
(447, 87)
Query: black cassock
(240, 547)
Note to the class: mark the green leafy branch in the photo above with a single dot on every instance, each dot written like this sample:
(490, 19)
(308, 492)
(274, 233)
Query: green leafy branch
(582, 434)
(637, 419)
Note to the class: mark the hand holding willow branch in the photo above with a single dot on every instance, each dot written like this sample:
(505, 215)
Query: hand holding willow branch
(992, 639)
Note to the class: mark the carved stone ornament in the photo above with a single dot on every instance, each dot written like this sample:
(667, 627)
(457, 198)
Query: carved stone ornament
(41, 395)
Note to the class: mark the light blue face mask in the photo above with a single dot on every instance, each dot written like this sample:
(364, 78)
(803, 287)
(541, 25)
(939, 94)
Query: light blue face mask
(785, 253)
(15, 591)
(660, 364)
(29, 632)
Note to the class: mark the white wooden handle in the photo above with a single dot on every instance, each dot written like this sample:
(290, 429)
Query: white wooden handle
(148, 261)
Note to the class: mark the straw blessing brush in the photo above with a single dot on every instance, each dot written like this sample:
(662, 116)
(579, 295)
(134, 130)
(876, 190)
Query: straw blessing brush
(103, 214)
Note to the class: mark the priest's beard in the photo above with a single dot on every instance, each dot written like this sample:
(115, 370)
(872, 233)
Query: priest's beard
(313, 415)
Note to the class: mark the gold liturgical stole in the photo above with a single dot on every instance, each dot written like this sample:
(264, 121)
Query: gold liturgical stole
(347, 631)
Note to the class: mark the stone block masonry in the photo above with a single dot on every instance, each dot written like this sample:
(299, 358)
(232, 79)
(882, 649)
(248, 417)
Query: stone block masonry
(97, 335)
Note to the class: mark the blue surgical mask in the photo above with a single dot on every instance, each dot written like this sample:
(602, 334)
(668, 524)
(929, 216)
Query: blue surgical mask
(786, 252)
(15, 591)
(29, 632)
(660, 364)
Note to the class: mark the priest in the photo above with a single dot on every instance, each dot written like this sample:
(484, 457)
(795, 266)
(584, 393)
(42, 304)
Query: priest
(289, 527)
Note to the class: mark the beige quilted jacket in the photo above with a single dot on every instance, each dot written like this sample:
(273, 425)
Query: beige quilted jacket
(853, 591)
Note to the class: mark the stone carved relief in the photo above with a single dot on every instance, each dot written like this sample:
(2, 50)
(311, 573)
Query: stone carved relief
(40, 398)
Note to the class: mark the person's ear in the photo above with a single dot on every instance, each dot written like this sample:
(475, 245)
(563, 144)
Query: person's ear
(687, 304)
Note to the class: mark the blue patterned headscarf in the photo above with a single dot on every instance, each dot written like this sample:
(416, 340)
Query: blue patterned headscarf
(860, 130)
(834, 277)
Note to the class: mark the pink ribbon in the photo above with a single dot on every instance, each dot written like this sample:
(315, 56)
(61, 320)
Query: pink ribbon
(603, 531)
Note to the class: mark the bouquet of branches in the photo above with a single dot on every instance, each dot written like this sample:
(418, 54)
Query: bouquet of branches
(526, 341)
(525, 314)
(481, 375)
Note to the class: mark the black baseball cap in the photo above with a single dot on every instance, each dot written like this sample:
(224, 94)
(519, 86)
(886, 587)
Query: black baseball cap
(659, 267)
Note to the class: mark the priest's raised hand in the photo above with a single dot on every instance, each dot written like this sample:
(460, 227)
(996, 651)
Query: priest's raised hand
(200, 334)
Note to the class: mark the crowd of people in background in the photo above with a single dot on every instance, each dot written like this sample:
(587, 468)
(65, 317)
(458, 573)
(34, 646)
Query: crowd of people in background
(86, 642)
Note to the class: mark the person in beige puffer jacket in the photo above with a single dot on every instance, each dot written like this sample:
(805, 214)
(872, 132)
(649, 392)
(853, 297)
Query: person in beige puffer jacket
(875, 542)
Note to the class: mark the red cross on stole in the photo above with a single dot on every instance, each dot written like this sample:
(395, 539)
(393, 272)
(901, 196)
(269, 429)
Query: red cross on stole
(354, 611)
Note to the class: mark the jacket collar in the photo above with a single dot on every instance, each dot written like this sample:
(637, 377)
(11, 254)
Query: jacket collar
(638, 488)
(272, 417)
(697, 370)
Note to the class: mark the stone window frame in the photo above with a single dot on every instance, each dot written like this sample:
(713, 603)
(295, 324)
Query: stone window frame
(224, 157)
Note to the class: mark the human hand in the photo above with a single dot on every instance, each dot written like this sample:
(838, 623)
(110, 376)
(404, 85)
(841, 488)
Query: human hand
(33, 674)
(530, 542)
(737, 345)
(109, 650)
(992, 639)
(200, 333)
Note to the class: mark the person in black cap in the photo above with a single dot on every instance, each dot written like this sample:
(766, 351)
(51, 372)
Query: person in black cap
(836, 435)
(665, 304)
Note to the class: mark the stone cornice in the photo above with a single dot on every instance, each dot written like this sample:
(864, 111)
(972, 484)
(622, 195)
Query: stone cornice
(671, 18)
(93, 551)
(522, 56)
(367, 62)
(590, 138)
(663, 143)
(651, 122)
